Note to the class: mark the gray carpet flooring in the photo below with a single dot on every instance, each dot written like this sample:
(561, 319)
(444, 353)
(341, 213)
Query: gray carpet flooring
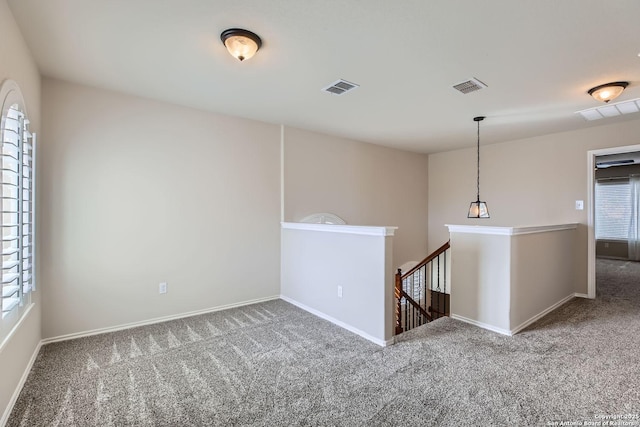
(272, 364)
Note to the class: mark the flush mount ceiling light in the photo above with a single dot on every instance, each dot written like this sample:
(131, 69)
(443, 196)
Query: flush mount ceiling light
(241, 44)
(478, 209)
(607, 92)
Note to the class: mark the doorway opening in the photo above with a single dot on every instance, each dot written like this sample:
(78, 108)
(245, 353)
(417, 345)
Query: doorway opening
(600, 160)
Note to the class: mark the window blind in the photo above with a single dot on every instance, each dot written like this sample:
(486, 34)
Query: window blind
(613, 209)
(17, 205)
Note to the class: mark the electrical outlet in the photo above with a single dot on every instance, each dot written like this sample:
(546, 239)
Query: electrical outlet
(162, 288)
(339, 291)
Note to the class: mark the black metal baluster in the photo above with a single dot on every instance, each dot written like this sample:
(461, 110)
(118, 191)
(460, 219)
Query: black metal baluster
(434, 286)
(439, 290)
(420, 273)
(445, 283)
(406, 309)
(444, 275)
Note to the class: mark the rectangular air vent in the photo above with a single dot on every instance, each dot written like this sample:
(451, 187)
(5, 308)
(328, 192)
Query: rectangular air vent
(469, 86)
(611, 110)
(340, 86)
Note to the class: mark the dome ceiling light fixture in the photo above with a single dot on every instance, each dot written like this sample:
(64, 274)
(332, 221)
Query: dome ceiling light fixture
(241, 44)
(608, 91)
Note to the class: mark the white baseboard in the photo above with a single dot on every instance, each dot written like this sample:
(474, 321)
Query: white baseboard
(523, 324)
(155, 320)
(577, 295)
(481, 324)
(349, 328)
(542, 313)
(23, 379)
(16, 392)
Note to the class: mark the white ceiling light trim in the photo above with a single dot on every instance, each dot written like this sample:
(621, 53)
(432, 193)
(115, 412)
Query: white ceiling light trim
(611, 110)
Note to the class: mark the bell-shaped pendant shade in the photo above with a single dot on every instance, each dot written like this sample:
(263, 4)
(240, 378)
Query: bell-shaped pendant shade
(478, 209)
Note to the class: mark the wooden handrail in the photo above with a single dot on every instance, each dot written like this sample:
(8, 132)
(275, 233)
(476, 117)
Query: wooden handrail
(429, 258)
(398, 293)
(401, 293)
(417, 306)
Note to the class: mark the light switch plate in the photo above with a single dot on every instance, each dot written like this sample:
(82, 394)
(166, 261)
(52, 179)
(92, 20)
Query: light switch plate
(579, 205)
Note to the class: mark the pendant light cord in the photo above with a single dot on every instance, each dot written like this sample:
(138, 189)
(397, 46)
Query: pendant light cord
(478, 194)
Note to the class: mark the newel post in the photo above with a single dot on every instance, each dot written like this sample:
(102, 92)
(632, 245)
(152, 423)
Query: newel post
(398, 294)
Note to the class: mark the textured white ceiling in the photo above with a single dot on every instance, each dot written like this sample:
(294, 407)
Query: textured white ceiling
(538, 59)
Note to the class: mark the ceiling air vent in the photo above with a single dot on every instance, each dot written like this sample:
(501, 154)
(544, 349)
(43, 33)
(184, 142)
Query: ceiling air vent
(611, 110)
(470, 85)
(340, 86)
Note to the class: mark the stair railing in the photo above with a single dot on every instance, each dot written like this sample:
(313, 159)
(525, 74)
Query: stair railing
(421, 293)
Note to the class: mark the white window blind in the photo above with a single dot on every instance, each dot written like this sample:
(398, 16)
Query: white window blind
(17, 205)
(613, 209)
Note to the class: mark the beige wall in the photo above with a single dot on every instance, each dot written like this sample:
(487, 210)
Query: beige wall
(480, 279)
(504, 279)
(17, 64)
(527, 182)
(315, 262)
(364, 184)
(136, 192)
(540, 275)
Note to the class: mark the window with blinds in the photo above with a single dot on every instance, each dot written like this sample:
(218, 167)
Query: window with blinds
(17, 275)
(613, 209)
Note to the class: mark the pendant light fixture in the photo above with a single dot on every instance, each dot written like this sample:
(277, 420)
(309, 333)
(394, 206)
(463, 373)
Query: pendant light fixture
(241, 44)
(478, 209)
(607, 92)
